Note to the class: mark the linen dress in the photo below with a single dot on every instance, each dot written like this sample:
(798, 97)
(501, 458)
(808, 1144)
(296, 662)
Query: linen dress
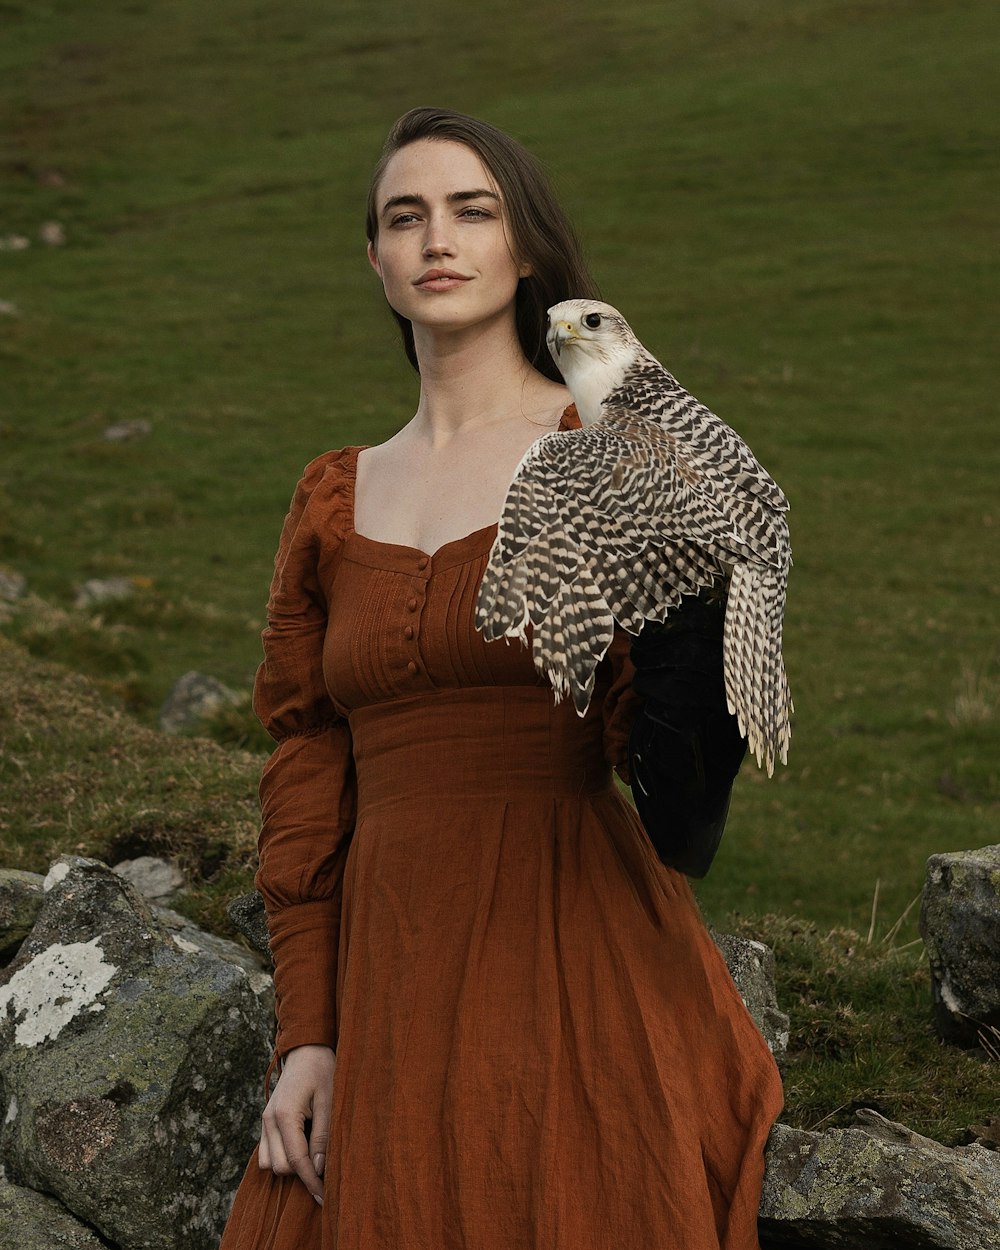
(539, 1046)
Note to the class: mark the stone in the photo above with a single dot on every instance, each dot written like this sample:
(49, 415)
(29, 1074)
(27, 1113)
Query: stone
(132, 1068)
(877, 1186)
(52, 234)
(751, 965)
(9, 309)
(248, 915)
(960, 925)
(30, 1221)
(12, 586)
(98, 591)
(14, 243)
(124, 430)
(192, 698)
(156, 879)
(21, 897)
(188, 937)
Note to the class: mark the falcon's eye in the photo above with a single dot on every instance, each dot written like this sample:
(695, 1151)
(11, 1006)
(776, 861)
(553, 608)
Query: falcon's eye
(592, 320)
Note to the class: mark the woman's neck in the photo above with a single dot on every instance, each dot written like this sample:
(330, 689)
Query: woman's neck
(474, 378)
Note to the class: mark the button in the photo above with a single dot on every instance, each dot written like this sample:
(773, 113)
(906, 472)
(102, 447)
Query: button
(411, 606)
(412, 669)
(408, 632)
(422, 563)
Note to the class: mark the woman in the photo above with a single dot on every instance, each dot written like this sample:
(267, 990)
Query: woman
(501, 1021)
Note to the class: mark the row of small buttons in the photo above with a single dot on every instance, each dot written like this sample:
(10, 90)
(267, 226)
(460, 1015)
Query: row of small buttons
(409, 633)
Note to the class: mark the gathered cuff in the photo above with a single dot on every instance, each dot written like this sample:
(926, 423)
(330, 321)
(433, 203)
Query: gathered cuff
(304, 944)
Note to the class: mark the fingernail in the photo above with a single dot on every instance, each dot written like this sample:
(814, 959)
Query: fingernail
(318, 1162)
(318, 1199)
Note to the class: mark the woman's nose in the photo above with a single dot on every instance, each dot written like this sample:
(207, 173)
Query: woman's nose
(437, 238)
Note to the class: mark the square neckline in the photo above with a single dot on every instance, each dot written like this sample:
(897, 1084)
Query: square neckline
(407, 548)
(569, 420)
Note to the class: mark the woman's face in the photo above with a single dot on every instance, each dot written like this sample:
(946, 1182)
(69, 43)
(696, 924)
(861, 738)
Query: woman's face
(442, 249)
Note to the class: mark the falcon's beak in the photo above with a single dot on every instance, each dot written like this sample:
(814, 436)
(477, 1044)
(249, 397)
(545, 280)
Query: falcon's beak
(560, 333)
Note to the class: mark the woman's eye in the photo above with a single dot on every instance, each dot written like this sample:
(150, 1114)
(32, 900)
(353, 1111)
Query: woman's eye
(476, 214)
(403, 219)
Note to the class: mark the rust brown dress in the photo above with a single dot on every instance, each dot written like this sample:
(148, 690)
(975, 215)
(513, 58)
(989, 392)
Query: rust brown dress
(539, 1047)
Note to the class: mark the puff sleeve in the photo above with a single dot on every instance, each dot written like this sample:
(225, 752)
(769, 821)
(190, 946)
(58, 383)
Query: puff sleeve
(307, 791)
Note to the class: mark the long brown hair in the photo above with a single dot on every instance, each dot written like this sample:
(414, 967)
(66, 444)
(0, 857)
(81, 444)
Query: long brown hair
(541, 234)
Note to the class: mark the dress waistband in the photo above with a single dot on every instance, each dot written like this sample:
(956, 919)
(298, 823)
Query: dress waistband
(500, 742)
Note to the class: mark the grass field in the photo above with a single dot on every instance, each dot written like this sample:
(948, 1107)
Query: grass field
(795, 207)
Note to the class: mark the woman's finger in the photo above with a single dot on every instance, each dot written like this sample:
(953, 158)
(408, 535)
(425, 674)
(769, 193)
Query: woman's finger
(290, 1153)
(319, 1134)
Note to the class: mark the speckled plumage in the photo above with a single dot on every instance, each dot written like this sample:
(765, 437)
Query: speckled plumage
(654, 498)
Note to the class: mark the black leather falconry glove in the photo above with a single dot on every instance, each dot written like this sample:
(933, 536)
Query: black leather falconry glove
(685, 748)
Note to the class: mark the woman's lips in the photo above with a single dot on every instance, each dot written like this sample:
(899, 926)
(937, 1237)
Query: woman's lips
(440, 280)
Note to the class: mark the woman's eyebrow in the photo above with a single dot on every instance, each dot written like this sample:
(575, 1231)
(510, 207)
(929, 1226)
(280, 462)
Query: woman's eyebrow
(454, 197)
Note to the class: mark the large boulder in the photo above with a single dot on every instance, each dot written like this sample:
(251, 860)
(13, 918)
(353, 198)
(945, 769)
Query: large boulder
(878, 1186)
(29, 1221)
(21, 896)
(131, 1068)
(960, 924)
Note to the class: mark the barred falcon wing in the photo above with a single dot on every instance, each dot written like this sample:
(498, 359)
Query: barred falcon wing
(612, 524)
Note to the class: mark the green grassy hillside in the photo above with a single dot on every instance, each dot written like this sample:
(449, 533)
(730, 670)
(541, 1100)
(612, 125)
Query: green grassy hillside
(793, 204)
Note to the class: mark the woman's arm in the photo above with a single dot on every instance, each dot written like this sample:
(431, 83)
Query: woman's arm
(307, 795)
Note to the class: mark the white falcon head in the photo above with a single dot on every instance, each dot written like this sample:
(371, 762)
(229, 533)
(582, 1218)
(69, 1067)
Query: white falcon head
(592, 345)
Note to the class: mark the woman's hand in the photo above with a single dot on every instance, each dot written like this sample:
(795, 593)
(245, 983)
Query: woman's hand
(296, 1121)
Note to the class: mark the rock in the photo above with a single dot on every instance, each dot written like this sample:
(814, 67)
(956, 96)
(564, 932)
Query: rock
(132, 1068)
(125, 430)
(192, 698)
(188, 937)
(52, 234)
(878, 1186)
(154, 878)
(29, 1221)
(960, 925)
(12, 586)
(751, 965)
(14, 243)
(21, 897)
(247, 914)
(98, 591)
(9, 309)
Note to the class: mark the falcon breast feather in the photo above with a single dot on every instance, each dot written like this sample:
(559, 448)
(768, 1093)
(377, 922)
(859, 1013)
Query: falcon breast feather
(653, 499)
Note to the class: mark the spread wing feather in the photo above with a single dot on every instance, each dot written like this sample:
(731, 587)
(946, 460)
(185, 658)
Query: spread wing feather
(614, 523)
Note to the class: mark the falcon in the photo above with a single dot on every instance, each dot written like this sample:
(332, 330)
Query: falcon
(653, 499)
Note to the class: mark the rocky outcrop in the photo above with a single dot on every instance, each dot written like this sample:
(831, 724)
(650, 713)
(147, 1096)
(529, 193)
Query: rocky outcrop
(21, 898)
(29, 1221)
(98, 591)
(960, 925)
(751, 965)
(156, 879)
(248, 915)
(130, 1066)
(878, 1186)
(192, 698)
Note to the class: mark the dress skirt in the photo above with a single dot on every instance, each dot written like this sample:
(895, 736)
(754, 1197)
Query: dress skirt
(540, 1044)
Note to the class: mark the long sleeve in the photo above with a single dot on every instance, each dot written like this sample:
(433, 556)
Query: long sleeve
(307, 790)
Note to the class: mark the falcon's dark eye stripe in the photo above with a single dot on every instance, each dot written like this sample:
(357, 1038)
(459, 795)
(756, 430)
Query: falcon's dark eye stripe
(592, 320)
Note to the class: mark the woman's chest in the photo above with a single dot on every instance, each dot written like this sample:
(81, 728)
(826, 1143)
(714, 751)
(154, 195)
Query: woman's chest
(401, 623)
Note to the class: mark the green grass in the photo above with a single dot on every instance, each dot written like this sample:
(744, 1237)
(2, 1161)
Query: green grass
(79, 776)
(793, 205)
